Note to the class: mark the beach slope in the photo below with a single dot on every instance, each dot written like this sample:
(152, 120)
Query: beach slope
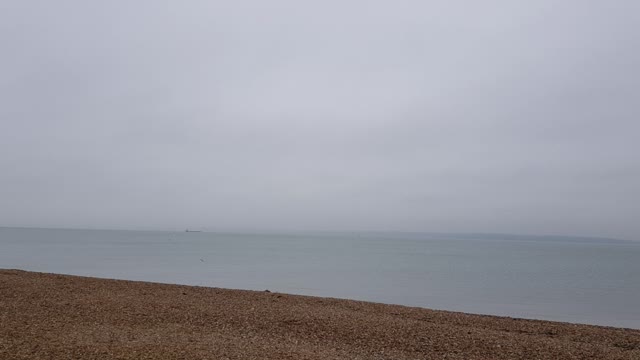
(47, 316)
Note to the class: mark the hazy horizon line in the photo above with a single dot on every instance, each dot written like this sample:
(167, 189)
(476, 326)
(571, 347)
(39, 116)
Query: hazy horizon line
(251, 231)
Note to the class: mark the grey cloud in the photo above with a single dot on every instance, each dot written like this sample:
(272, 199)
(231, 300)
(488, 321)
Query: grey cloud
(456, 116)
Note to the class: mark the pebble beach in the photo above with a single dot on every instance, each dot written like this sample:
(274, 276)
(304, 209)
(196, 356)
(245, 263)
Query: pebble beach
(49, 316)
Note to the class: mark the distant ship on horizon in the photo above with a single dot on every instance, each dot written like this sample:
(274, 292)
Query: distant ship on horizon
(187, 230)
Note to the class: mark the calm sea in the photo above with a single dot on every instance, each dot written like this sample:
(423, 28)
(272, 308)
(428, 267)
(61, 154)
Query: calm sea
(564, 279)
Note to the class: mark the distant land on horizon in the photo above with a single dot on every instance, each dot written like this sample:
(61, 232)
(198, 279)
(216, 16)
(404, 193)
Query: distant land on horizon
(369, 233)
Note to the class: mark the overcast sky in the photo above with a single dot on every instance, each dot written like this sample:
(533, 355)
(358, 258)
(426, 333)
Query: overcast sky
(460, 116)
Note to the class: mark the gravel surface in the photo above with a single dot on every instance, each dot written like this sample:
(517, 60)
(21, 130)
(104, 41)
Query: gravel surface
(47, 316)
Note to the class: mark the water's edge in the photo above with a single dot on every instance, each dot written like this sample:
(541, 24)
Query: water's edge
(592, 282)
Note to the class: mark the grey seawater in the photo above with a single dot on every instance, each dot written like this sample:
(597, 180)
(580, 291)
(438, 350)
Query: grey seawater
(563, 279)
